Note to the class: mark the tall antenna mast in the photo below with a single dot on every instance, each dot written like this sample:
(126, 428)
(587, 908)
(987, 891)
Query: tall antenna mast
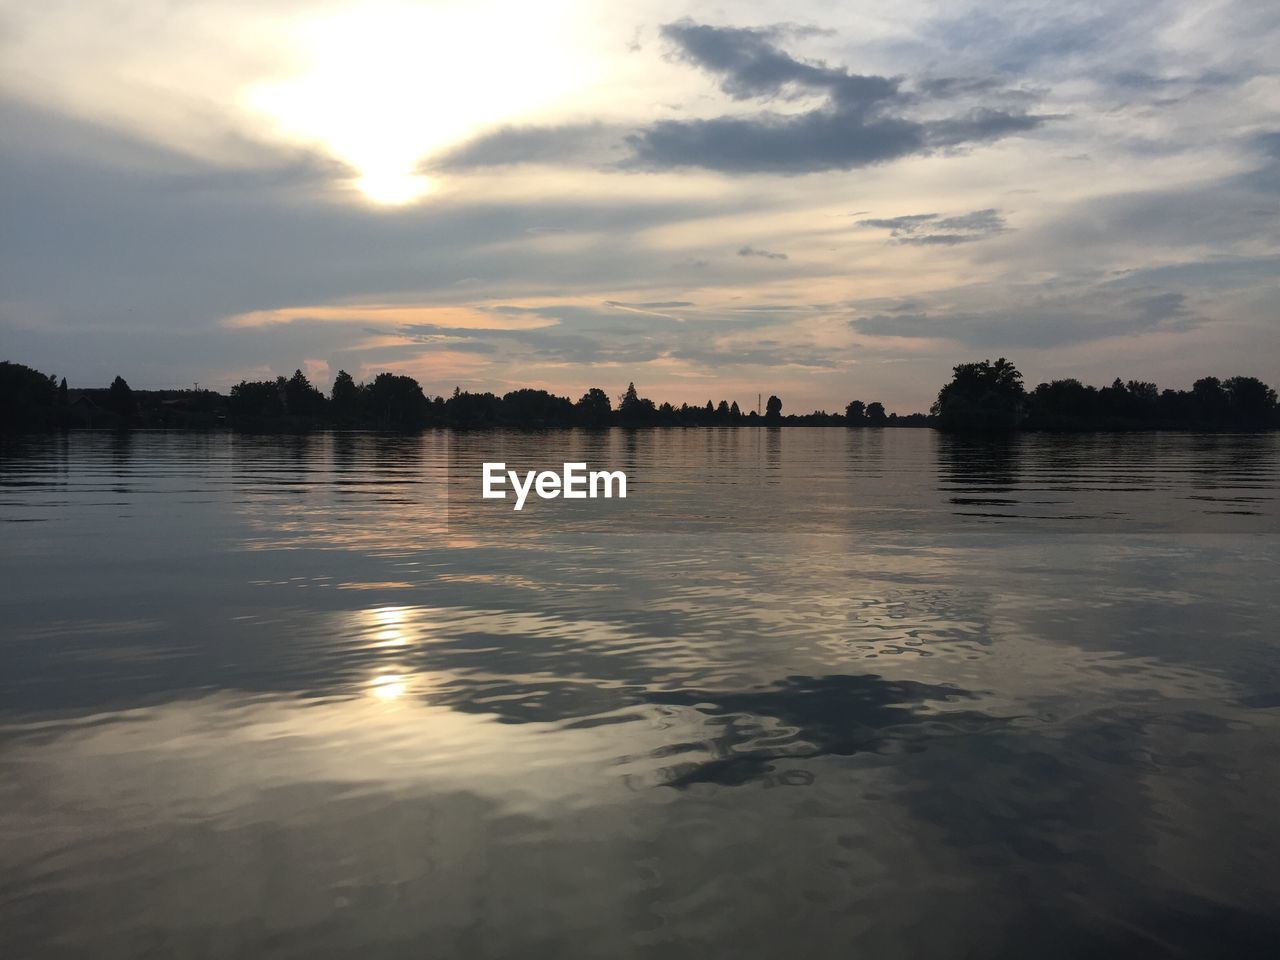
(758, 404)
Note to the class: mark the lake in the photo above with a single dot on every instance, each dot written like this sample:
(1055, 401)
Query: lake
(820, 692)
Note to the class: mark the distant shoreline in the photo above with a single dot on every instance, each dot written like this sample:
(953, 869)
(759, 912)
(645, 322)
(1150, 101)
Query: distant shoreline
(320, 429)
(985, 397)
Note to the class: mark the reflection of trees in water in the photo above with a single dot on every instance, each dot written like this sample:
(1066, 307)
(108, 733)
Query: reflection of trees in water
(1160, 480)
(594, 445)
(773, 455)
(977, 470)
(1237, 471)
(864, 452)
(122, 452)
(989, 462)
(121, 449)
(1038, 807)
(344, 451)
(636, 445)
(289, 484)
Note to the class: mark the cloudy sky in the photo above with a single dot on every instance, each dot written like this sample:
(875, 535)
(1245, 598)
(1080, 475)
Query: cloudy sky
(823, 200)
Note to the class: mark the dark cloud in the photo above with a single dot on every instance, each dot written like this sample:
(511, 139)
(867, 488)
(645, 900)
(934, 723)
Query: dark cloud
(862, 119)
(773, 143)
(980, 125)
(1159, 308)
(751, 65)
(947, 87)
(978, 221)
(898, 225)
(749, 251)
(861, 122)
(583, 143)
(932, 229)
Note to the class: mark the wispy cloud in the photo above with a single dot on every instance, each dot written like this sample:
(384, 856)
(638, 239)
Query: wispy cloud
(932, 229)
(750, 251)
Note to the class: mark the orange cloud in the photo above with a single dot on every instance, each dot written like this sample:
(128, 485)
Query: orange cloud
(471, 318)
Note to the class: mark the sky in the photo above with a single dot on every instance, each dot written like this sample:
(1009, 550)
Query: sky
(827, 201)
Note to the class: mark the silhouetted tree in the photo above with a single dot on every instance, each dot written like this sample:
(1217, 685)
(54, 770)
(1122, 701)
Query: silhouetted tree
(985, 396)
(634, 409)
(536, 408)
(397, 401)
(253, 401)
(466, 409)
(301, 399)
(1239, 403)
(1211, 400)
(1062, 405)
(1145, 394)
(26, 398)
(594, 408)
(1250, 402)
(121, 400)
(345, 396)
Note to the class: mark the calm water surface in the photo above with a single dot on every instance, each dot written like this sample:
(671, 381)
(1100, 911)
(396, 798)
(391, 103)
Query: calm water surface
(820, 693)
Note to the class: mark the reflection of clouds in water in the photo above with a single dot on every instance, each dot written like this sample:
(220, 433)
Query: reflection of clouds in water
(437, 737)
(423, 807)
(804, 718)
(975, 616)
(381, 494)
(423, 816)
(388, 496)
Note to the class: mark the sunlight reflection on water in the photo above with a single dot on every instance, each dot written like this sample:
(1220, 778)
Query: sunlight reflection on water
(268, 696)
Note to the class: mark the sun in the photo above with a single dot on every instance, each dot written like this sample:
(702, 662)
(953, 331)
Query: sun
(383, 86)
(392, 188)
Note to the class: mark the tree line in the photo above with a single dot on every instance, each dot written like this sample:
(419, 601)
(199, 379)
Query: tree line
(983, 396)
(396, 401)
(989, 396)
(34, 401)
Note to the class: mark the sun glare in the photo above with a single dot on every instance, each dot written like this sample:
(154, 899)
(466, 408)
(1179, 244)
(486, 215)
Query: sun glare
(388, 687)
(392, 187)
(384, 86)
